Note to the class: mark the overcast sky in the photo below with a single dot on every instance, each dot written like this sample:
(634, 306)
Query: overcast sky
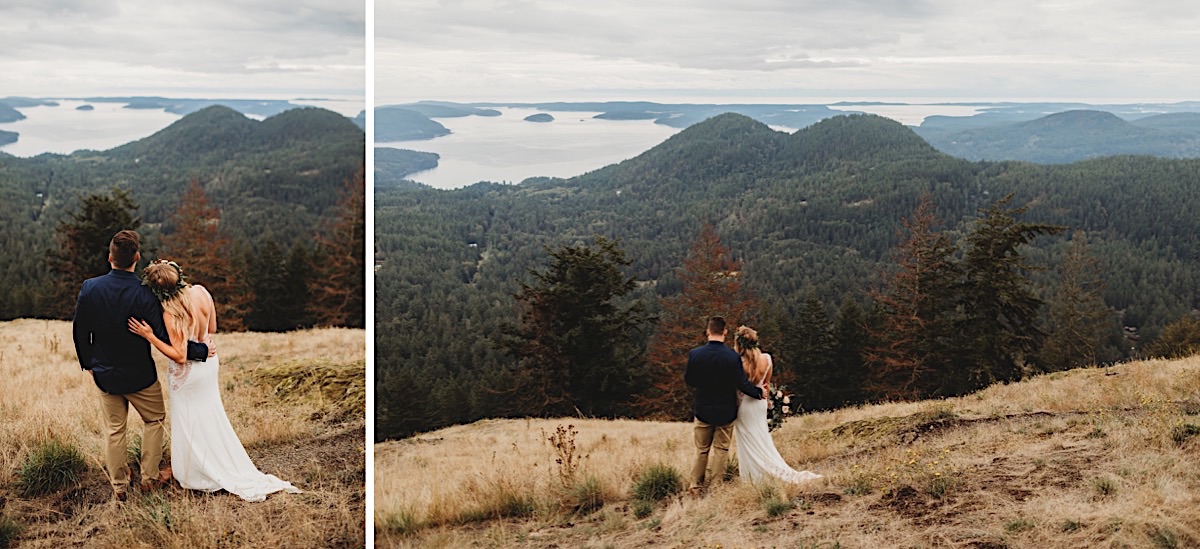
(272, 49)
(786, 50)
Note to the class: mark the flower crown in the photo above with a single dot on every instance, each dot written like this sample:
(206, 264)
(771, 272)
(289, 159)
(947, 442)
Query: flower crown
(164, 294)
(745, 342)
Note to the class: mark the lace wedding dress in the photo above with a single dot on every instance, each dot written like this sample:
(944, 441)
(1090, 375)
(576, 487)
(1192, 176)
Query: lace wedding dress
(206, 453)
(756, 453)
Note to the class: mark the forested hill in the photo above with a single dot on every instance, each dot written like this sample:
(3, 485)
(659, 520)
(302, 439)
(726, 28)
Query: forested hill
(815, 212)
(1074, 135)
(273, 180)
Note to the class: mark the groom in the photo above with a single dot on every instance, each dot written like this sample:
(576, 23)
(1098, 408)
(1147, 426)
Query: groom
(119, 361)
(716, 372)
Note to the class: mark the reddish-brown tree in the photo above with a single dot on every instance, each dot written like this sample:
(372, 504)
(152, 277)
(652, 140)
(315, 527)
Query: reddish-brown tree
(713, 285)
(197, 243)
(338, 287)
(916, 302)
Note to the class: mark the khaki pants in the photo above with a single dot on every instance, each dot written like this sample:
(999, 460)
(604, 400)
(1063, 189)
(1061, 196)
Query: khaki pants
(715, 437)
(149, 404)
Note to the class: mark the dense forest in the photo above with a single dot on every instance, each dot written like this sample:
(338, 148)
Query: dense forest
(275, 187)
(816, 220)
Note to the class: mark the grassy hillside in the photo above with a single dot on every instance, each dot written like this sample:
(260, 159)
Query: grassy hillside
(1085, 458)
(295, 399)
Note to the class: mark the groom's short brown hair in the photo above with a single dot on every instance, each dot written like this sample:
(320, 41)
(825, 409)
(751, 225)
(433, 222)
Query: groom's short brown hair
(716, 325)
(124, 248)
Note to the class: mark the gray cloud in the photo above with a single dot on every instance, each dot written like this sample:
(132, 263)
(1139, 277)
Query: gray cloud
(468, 49)
(85, 47)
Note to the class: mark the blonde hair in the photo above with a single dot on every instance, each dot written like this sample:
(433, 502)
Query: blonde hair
(745, 342)
(164, 277)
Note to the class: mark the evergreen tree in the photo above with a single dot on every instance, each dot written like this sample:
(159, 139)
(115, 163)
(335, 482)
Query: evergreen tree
(273, 297)
(1001, 307)
(299, 273)
(1078, 321)
(911, 352)
(198, 242)
(83, 238)
(338, 286)
(713, 285)
(575, 343)
(812, 358)
(849, 341)
(404, 404)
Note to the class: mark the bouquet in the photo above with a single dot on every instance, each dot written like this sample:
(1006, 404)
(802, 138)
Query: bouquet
(780, 408)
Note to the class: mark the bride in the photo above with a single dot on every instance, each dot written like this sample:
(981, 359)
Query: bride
(206, 453)
(757, 456)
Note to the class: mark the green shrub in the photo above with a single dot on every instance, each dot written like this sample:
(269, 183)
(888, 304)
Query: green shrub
(51, 465)
(657, 482)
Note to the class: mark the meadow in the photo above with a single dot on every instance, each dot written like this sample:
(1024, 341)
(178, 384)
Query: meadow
(295, 399)
(1094, 457)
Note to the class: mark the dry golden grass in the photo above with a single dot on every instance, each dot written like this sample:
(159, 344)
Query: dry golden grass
(1074, 459)
(305, 437)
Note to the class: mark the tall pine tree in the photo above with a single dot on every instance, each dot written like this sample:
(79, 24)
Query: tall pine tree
(713, 285)
(1078, 321)
(999, 302)
(83, 238)
(849, 340)
(911, 351)
(811, 355)
(197, 241)
(338, 285)
(576, 345)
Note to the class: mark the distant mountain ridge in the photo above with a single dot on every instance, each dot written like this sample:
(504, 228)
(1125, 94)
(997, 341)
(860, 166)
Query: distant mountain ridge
(1075, 135)
(994, 133)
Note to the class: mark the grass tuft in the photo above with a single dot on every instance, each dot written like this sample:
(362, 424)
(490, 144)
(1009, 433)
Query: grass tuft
(1018, 525)
(1071, 526)
(403, 522)
(642, 508)
(51, 466)
(657, 482)
(775, 507)
(1164, 538)
(1183, 432)
(9, 531)
(1105, 486)
(587, 495)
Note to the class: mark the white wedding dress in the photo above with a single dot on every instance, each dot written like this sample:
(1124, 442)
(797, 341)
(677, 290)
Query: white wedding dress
(756, 453)
(206, 453)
